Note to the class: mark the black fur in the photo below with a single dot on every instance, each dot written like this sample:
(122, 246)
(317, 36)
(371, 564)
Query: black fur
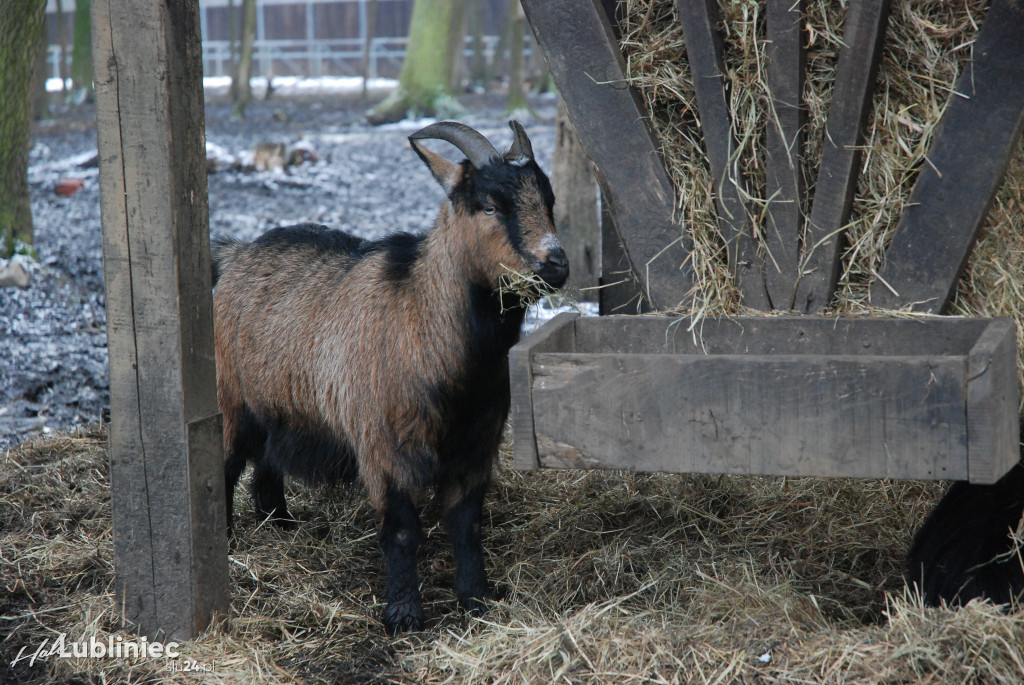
(321, 238)
(964, 549)
(402, 251)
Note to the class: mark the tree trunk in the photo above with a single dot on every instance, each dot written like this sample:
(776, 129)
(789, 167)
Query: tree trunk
(371, 32)
(41, 72)
(456, 39)
(81, 52)
(62, 43)
(21, 30)
(517, 31)
(233, 49)
(424, 84)
(576, 209)
(243, 68)
(478, 62)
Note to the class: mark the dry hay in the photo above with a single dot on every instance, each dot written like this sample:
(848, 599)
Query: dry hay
(926, 46)
(603, 577)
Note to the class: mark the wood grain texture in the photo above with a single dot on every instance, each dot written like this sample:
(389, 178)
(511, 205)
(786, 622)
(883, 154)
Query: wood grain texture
(579, 45)
(578, 207)
(171, 571)
(976, 138)
(911, 398)
(700, 19)
(993, 401)
(557, 334)
(787, 414)
(859, 57)
(784, 142)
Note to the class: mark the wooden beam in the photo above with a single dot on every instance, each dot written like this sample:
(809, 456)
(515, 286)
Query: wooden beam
(557, 335)
(787, 119)
(166, 467)
(578, 209)
(972, 147)
(582, 54)
(700, 19)
(859, 57)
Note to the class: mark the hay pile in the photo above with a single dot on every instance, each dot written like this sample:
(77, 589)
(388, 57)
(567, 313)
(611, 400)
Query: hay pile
(603, 577)
(926, 47)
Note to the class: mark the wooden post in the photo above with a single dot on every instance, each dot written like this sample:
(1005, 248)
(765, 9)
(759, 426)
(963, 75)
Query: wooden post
(577, 206)
(577, 39)
(166, 471)
(970, 151)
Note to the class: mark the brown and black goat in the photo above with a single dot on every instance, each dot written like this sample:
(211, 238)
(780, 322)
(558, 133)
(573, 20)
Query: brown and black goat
(339, 357)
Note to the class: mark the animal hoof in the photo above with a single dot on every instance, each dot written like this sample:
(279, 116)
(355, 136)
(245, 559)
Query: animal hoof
(474, 606)
(403, 618)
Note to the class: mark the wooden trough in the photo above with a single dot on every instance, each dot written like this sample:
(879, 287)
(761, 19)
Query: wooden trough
(932, 398)
(921, 398)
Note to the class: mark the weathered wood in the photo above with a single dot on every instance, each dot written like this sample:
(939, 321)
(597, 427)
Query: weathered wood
(794, 396)
(859, 57)
(993, 417)
(784, 140)
(577, 207)
(620, 292)
(166, 468)
(588, 68)
(699, 20)
(972, 147)
(557, 334)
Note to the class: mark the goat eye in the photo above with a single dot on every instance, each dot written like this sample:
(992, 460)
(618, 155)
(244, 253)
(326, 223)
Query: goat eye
(489, 210)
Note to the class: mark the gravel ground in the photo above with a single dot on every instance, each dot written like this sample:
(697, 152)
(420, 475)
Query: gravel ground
(53, 362)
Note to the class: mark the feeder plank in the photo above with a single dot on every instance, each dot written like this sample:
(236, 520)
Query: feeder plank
(787, 119)
(859, 57)
(583, 57)
(699, 19)
(992, 400)
(977, 136)
(932, 399)
(555, 335)
(796, 415)
(166, 466)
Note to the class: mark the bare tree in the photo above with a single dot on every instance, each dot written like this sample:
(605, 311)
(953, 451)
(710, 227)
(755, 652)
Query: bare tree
(424, 86)
(21, 30)
(81, 52)
(240, 87)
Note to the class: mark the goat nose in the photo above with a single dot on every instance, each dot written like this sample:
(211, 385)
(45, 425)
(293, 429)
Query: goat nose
(557, 258)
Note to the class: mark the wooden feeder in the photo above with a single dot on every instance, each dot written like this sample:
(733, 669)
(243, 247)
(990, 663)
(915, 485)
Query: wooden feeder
(923, 398)
(800, 396)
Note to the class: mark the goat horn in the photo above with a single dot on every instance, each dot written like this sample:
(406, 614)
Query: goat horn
(521, 148)
(478, 150)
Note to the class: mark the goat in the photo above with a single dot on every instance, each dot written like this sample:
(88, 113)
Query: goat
(965, 548)
(388, 359)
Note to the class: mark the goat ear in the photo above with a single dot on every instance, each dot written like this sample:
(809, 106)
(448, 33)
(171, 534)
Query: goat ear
(446, 173)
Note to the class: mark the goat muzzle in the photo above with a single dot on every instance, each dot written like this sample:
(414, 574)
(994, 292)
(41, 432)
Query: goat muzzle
(554, 270)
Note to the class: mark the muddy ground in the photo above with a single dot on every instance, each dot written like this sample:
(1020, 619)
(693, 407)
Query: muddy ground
(367, 180)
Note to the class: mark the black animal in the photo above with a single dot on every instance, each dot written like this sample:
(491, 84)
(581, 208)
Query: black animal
(965, 548)
(337, 356)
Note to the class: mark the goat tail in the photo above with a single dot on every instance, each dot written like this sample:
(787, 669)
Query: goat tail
(224, 251)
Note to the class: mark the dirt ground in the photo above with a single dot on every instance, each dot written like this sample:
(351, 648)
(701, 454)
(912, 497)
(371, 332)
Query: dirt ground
(366, 181)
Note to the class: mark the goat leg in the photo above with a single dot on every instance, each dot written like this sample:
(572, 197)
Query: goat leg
(399, 539)
(462, 521)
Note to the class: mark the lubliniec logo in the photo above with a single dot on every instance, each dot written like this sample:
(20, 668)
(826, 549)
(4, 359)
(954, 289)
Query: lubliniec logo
(113, 647)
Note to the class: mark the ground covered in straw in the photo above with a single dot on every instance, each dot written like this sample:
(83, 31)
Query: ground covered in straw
(602, 578)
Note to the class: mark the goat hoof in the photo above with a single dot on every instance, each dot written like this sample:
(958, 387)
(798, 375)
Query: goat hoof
(285, 523)
(474, 606)
(403, 617)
